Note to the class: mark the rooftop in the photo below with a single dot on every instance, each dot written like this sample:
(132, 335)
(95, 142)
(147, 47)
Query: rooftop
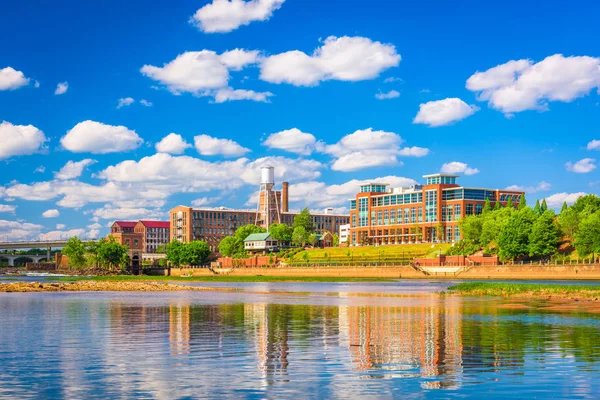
(156, 224)
(257, 237)
(126, 224)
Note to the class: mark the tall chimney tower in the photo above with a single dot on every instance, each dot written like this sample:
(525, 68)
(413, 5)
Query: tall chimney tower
(284, 196)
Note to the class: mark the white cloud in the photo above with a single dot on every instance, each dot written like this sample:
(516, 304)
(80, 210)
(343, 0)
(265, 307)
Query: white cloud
(62, 88)
(594, 145)
(540, 187)
(582, 166)
(226, 16)
(64, 235)
(392, 94)
(557, 200)
(229, 94)
(292, 140)
(11, 79)
(204, 201)
(41, 169)
(98, 138)
(60, 226)
(444, 112)
(51, 213)
(344, 58)
(112, 213)
(125, 102)
(392, 79)
(286, 169)
(145, 103)
(414, 151)
(19, 230)
(72, 169)
(95, 226)
(210, 146)
(456, 167)
(365, 159)
(520, 85)
(5, 208)
(19, 140)
(202, 73)
(363, 139)
(172, 144)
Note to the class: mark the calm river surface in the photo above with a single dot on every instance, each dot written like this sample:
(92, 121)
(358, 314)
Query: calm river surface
(302, 340)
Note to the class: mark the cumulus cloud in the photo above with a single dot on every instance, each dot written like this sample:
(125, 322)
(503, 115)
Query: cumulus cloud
(51, 213)
(414, 151)
(5, 208)
(392, 79)
(225, 16)
(292, 140)
(41, 169)
(125, 102)
(11, 79)
(60, 226)
(210, 146)
(64, 235)
(204, 201)
(145, 103)
(457, 167)
(172, 144)
(19, 140)
(61, 88)
(444, 112)
(557, 200)
(72, 169)
(229, 94)
(113, 213)
(392, 94)
(594, 145)
(203, 73)
(540, 187)
(98, 138)
(344, 59)
(582, 166)
(19, 230)
(520, 85)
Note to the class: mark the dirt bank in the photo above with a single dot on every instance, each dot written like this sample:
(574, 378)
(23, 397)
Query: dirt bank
(93, 286)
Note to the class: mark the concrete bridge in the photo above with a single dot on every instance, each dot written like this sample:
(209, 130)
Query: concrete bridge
(29, 257)
(32, 244)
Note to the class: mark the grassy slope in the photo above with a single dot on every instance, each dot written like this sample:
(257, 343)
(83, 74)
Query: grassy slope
(372, 253)
(527, 289)
(217, 278)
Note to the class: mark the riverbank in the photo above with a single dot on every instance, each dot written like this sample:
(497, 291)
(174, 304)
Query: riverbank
(98, 286)
(218, 278)
(529, 291)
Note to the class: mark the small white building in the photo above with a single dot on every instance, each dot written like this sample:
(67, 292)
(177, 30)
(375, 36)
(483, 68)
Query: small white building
(260, 242)
(344, 234)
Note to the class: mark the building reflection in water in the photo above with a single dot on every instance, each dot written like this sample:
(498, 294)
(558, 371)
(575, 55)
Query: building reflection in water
(179, 328)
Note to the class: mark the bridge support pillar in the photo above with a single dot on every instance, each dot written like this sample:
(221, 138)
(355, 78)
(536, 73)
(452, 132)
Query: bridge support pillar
(48, 251)
(11, 261)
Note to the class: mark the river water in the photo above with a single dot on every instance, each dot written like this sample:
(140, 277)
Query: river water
(294, 340)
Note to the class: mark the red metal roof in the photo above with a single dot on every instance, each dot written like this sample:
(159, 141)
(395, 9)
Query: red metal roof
(156, 224)
(126, 224)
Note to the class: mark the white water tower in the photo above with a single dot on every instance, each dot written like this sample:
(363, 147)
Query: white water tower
(267, 211)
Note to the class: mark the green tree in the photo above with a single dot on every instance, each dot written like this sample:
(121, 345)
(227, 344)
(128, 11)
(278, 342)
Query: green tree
(544, 237)
(231, 246)
(544, 206)
(497, 206)
(75, 250)
(244, 231)
(471, 226)
(586, 205)
(568, 220)
(537, 209)
(281, 232)
(587, 238)
(514, 236)
(313, 239)
(335, 240)
(174, 253)
(161, 249)
(112, 254)
(509, 203)
(304, 220)
(564, 207)
(487, 206)
(522, 202)
(300, 236)
(195, 253)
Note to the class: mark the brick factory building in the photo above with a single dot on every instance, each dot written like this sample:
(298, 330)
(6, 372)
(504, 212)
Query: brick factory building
(142, 236)
(211, 225)
(380, 215)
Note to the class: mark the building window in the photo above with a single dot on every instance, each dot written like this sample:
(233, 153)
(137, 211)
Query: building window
(431, 206)
(478, 208)
(456, 234)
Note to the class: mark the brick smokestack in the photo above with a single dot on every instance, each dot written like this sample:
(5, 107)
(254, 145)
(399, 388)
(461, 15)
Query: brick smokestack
(284, 196)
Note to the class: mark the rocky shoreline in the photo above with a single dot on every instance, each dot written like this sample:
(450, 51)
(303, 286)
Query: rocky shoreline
(100, 286)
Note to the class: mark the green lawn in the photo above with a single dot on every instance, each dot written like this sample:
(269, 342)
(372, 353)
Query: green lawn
(372, 253)
(218, 278)
(533, 289)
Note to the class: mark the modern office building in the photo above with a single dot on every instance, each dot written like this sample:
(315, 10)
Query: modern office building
(420, 213)
(213, 224)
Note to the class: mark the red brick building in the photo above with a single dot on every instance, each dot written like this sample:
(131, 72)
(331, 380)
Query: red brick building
(420, 213)
(153, 234)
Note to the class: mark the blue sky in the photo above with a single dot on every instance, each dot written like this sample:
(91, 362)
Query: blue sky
(467, 87)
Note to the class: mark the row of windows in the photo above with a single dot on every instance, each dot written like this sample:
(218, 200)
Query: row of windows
(451, 213)
(444, 180)
(468, 194)
(397, 199)
(397, 216)
(431, 206)
(373, 188)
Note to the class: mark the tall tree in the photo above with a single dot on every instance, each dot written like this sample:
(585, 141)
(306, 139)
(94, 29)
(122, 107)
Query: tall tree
(487, 206)
(514, 237)
(587, 204)
(244, 231)
(522, 202)
(300, 236)
(335, 240)
(112, 254)
(281, 232)
(195, 253)
(544, 206)
(509, 203)
(587, 238)
(537, 208)
(175, 253)
(497, 206)
(544, 237)
(75, 250)
(568, 221)
(231, 246)
(304, 219)
(564, 207)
